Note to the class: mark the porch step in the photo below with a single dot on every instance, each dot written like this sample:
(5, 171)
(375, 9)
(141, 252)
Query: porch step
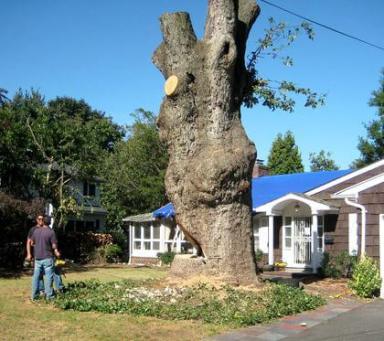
(293, 279)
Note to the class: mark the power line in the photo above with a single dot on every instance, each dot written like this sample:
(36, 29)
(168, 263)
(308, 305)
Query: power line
(324, 26)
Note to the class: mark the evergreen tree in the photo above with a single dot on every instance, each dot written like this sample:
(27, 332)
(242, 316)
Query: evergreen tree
(372, 147)
(284, 157)
(322, 161)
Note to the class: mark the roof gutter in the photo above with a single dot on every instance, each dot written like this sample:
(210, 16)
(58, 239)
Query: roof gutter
(363, 222)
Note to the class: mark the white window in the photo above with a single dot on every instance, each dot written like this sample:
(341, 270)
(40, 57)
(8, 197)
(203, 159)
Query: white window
(146, 237)
(89, 189)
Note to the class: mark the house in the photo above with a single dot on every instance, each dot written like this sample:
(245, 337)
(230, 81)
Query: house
(297, 217)
(92, 215)
(153, 233)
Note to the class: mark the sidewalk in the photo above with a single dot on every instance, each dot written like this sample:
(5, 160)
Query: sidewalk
(289, 327)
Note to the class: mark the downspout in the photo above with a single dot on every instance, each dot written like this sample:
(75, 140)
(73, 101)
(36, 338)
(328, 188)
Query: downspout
(363, 222)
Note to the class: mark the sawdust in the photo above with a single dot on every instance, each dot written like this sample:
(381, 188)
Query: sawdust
(328, 288)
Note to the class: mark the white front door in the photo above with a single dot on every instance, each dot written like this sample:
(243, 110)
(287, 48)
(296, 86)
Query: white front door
(302, 241)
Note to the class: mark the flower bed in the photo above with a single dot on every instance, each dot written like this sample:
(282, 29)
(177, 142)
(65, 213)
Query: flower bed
(224, 305)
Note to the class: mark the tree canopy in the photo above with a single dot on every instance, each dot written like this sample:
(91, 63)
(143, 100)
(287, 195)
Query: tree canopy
(45, 145)
(284, 157)
(134, 173)
(322, 161)
(372, 146)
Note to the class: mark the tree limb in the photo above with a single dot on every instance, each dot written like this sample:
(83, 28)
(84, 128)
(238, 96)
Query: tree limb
(179, 40)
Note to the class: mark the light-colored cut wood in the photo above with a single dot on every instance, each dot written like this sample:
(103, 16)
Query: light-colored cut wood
(170, 85)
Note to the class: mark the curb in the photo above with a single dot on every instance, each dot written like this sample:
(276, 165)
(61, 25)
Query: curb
(290, 325)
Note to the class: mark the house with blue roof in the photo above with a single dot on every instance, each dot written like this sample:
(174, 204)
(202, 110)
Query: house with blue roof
(296, 218)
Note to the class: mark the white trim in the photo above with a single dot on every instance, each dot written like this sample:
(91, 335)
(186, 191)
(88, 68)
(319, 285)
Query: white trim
(363, 222)
(346, 177)
(314, 243)
(353, 244)
(271, 259)
(315, 206)
(354, 190)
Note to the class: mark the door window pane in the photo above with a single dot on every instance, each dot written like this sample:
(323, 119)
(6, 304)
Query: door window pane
(137, 245)
(288, 231)
(288, 242)
(288, 221)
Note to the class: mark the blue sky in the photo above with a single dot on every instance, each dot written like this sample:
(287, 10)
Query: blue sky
(101, 51)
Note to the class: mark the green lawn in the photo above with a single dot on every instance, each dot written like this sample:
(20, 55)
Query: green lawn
(21, 319)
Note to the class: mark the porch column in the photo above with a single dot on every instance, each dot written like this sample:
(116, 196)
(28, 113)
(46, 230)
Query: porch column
(315, 243)
(270, 240)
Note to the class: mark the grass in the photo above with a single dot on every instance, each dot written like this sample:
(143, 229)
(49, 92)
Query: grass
(21, 319)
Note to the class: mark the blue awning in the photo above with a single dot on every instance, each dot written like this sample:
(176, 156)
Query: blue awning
(268, 188)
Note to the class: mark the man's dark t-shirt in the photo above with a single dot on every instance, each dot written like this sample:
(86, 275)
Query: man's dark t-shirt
(30, 232)
(43, 238)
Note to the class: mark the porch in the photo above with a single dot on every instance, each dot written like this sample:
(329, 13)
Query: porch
(290, 229)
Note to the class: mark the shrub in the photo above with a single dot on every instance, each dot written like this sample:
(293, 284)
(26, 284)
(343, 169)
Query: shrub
(366, 279)
(166, 258)
(337, 266)
(83, 247)
(259, 255)
(113, 253)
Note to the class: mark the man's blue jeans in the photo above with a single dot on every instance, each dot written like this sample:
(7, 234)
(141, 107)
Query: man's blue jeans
(43, 266)
(57, 280)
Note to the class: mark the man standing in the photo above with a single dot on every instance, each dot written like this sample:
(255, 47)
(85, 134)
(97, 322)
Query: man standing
(39, 223)
(45, 248)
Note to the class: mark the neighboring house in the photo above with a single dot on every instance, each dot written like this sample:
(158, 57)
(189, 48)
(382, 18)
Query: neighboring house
(92, 215)
(298, 217)
(154, 233)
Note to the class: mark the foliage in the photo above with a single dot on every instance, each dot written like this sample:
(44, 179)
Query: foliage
(284, 157)
(340, 265)
(83, 247)
(15, 221)
(372, 148)
(3, 96)
(113, 253)
(134, 173)
(259, 254)
(225, 305)
(46, 145)
(366, 279)
(322, 162)
(166, 258)
(275, 94)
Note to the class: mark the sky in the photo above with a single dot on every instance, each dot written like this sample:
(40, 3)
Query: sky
(100, 51)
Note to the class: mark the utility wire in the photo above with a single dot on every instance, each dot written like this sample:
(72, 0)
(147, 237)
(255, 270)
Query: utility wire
(324, 26)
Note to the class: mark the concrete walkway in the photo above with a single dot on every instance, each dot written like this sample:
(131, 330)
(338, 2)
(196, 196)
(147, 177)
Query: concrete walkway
(338, 320)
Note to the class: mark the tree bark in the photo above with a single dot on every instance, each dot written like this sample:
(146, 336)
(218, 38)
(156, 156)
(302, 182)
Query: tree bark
(208, 179)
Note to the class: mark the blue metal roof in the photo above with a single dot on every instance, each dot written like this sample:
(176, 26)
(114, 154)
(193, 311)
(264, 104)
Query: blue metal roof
(271, 187)
(268, 188)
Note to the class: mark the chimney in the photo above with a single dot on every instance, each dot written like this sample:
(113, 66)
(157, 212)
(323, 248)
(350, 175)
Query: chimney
(259, 169)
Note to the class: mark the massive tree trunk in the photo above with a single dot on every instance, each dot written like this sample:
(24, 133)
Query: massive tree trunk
(208, 179)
